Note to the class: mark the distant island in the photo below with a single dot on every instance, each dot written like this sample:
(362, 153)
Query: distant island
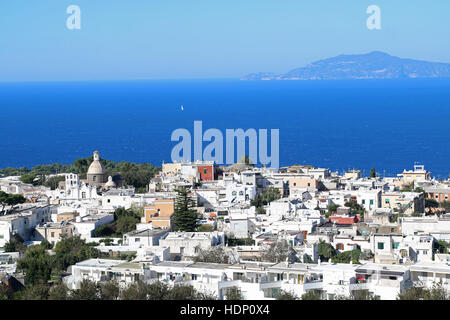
(374, 65)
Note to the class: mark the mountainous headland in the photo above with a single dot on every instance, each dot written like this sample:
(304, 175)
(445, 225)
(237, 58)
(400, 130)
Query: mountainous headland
(373, 65)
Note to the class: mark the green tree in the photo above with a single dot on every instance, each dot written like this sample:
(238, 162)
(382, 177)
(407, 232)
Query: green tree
(347, 257)
(37, 265)
(205, 228)
(157, 290)
(373, 173)
(331, 208)
(126, 224)
(110, 290)
(436, 292)
(35, 292)
(326, 251)
(363, 295)
(431, 203)
(59, 292)
(311, 295)
(15, 246)
(185, 217)
(12, 200)
(70, 250)
(269, 195)
(286, 295)
(46, 245)
(88, 290)
(28, 178)
(5, 292)
(182, 292)
(136, 291)
(414, 293)
(234, 293)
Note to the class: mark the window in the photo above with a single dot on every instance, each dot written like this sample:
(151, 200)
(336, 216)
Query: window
(205, 171)
(386, 201)
(371, 201)
(380, 245)
(295, 184)
(309, 184)
(52, 234)
(241, 193)
(234, 193)
(395, 245)
(94, 178)
(363, 201)
(109, 200)
(392, 229)
(137, 239)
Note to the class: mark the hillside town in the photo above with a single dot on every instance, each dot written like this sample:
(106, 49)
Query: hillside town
(230, 232)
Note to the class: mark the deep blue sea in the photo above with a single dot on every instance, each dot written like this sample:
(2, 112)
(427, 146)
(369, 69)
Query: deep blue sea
(386, 124)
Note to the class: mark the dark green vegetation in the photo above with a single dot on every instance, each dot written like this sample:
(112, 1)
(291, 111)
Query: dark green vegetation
(286, 295)
(436, 292)
(185, 216)
(356, 208)
(40, 267)
(269, 195)
(326, 251)
(134, 174)
(441, 246)
(347, 257)
(125, 220)
(43, 269)
(331, 209)
(233, 293)
(7, 199)
(109, 290)
(232, 242)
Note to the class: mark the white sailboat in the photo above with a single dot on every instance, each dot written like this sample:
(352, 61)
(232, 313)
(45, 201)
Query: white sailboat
(182, 108)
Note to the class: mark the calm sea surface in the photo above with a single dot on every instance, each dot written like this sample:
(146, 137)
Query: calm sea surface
(386, 124)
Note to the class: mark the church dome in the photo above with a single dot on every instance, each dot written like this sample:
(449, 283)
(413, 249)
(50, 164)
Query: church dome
(96, 166)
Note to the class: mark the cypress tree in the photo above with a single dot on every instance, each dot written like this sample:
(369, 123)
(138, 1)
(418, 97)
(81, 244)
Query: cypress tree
(185, 217)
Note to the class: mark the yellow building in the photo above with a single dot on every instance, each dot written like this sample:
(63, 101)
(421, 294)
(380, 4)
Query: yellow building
(418, 174)
(171, 168)
(52, 232)
(410, 202)
(161, 213)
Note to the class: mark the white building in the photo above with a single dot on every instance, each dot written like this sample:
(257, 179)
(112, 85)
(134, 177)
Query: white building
(189, 243)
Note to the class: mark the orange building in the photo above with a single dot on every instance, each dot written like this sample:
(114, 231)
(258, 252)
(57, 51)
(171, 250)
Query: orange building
(161, 213)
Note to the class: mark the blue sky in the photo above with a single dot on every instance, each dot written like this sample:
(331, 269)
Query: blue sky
(155, 39)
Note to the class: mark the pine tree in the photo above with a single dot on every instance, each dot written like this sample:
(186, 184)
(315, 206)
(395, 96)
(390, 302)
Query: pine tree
(373, 174)
(185, 217)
